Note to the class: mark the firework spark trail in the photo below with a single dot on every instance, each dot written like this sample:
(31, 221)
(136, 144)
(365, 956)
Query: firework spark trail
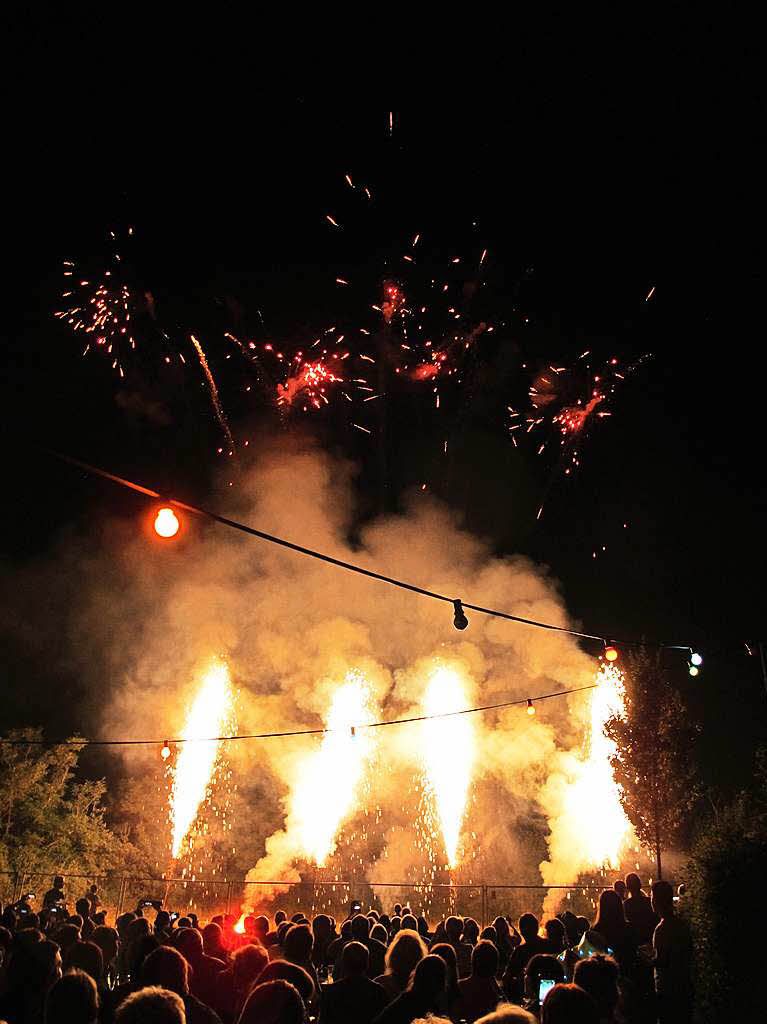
(211, 714)
(215, 401)
(449, 752)
(330, 783)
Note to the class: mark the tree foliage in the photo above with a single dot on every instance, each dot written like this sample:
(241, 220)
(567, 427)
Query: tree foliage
(727, 861)
(47, 816)
(653, 762)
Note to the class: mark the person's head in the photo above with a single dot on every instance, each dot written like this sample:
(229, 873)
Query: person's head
(83, 908)
(556, 933)
(470, 930)
(282, 930)
(360, 927)
(279, 917)
(260, 926)
(94, 890)
(354, 960)
(73, 999)
(611, 917)
(528, 927)
(429, 978)
(184, 922)
(379, 933)
(67, 935)
(189, 944)
(662, 898)
(620, 887)
(373, 915)
(423, 926)
(385, 920)
(502, 930)
(86, 956)
(346, 929)
(542, 965)
(166, 968)
(273, 1002)
(322, 928)
(107, 940)
(298, 944)
(484, 960)
(213, 940)
(409, 922)
(633, 884)
(490, 934)
(58, 883)
(405, 951)
(247, 964)
(151, 1006)
(508, 1014)
(598, 975)
(162, 921)
(8, 919)
(137, 928)
(282, 970)
(453, 929)
(297, 918)
(394, 925)
(398, 910)
(447, 953)
(122, 923)
(581, 926)
(569, 1004)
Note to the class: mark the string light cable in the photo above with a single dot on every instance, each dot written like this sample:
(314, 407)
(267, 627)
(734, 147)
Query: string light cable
(458, 605)
(167, 744)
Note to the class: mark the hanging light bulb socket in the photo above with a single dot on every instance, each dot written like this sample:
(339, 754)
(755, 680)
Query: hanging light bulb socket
(459, 617)
(530, 707)
(165, 752)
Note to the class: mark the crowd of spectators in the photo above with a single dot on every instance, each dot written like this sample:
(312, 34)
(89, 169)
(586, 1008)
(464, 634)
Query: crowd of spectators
(631, 965)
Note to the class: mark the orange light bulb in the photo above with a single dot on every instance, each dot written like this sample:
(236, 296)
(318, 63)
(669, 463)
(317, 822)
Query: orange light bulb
(530, 708)
(166, 522)
(611, 654)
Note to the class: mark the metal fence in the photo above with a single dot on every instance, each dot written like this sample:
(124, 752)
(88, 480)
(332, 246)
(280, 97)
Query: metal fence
(206, 897)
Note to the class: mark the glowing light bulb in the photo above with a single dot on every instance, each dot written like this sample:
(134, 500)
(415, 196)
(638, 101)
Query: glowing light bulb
(693, 670)
(459, 619)
(166, 522)
(530, 708)
(696, 659)
(165, 752)
(611, 654)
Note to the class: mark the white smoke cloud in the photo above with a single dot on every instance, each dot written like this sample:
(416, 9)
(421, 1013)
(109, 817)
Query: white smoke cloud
(291, 628)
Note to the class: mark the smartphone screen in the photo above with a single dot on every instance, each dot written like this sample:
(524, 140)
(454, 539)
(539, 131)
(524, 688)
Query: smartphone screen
(544, 986)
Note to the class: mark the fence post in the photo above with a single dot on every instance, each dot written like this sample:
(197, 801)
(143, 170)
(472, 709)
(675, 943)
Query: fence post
(229, 897)
(484, 904)
(120, 897)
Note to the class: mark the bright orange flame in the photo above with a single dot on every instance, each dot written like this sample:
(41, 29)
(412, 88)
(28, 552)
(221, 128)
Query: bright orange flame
(210, 716)
(449, 750)
(240, 926)
(166, 522)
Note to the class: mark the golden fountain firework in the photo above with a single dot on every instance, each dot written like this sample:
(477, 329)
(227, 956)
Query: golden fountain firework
(329, 785)
(449, 751)
(211, 716)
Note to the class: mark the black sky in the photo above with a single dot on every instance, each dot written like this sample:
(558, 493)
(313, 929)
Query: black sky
(586, 196)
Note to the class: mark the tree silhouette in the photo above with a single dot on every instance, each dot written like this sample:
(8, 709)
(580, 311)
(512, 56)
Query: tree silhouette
(653, 762)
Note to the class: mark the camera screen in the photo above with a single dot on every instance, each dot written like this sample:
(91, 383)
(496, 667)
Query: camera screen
(544, 987)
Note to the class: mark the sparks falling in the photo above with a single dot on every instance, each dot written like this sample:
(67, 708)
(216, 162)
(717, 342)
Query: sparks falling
(214, 399)
(449, 751)
(211, 715)
(330, 783)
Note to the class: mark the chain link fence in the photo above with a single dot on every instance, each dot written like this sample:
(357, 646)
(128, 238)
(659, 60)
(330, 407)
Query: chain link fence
(207, 897)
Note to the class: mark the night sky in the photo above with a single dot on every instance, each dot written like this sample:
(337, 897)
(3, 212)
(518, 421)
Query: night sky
(584, 199)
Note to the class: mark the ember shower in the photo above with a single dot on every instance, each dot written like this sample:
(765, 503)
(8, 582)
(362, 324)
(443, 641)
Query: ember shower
(307, 645)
